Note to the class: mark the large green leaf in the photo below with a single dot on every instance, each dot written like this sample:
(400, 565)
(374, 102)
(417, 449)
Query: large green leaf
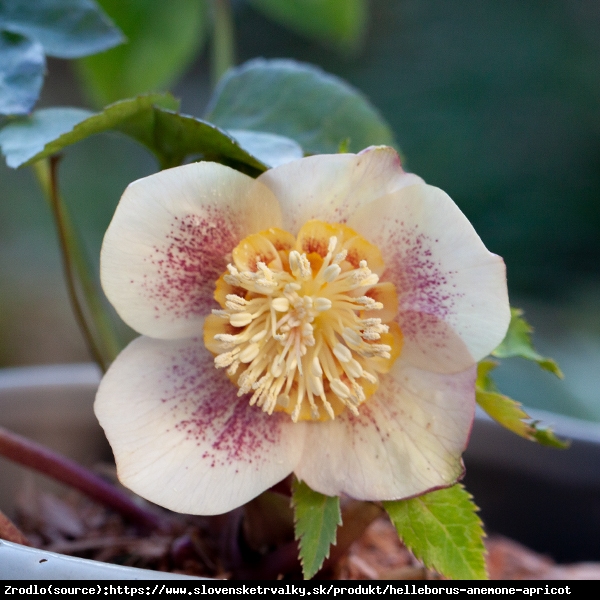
(162, 40)
(316, 519)
(271, 149)
(443, 530)
(176, 137)
(22, 64)
(65, 28)
(341, 23)
(508, 412)
(517, 342)
(298, 101)
(172, 137)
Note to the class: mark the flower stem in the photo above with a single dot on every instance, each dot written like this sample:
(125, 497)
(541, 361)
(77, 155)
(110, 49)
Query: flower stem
(223, 45)
(52, 464)
(10, 533)
(104, 345)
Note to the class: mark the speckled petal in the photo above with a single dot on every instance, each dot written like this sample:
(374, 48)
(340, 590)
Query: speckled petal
(453, 299)
(407, 439)
(168, 241)
(331, 187)
(180, 435)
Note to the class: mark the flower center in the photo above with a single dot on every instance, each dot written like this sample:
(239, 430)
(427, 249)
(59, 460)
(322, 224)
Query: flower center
(305, 324)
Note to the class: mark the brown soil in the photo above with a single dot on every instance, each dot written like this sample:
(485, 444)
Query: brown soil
(194, 545)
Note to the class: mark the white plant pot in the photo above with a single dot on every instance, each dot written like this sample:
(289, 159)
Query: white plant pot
(21, 562)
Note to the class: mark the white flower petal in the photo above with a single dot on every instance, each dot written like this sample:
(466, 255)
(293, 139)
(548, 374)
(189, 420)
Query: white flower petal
(168, 243)
(453, 299)
(331, 187)
(407, 439)
(180, 435)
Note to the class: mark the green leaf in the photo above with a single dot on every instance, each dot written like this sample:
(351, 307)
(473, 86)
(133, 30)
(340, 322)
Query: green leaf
(341, 23)
(65, 28)
(273, 150)
(23, 141)
(22, 65)
(176, 137)
(443, 530)
(162, 40)
(545, 436)
(508, 412)
(298, 101)
(170, 136)
(517, 342)
(316, 519)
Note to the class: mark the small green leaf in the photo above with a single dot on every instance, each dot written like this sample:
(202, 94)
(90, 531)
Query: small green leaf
(170, 136)
(545, 436)
(22, 65)
(65, 28)
(162, 40)
(508, 412)
(517, 342)
(443, 530)
(316, 519)
(298, 101)
(341, 23)
(484, 382)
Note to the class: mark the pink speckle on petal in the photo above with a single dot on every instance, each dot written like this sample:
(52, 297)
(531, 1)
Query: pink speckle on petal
(188, 263)
(425, 289)
(208, 411)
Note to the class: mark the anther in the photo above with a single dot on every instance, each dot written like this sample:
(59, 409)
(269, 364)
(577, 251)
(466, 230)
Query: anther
(351, 337)
(258, 336)
(280, 304)
(240, 319)
(315, 368)
(249, 353)
(322, 304)
(342, 353)
(353, 368)
(340, 256)
(331, 273)
(340, 389)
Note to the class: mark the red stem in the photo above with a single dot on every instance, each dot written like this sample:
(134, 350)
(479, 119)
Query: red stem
(35, 456)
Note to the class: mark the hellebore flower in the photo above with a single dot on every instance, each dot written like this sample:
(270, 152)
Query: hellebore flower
(324, 319)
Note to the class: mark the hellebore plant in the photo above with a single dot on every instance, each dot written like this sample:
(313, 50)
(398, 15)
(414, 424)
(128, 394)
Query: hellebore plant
(324, 319)
(329, 317)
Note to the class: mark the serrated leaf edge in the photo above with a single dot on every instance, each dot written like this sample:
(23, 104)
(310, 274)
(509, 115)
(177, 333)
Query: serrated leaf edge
(481, 532)
(300, 537)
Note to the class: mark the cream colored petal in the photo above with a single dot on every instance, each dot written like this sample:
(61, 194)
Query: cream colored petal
(331, 187)
(169, 242)
(453, 299)
(180, 435)
(407, 439)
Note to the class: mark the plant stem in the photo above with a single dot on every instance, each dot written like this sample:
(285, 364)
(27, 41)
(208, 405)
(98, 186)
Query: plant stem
(10, 533)
(104, 346)
(223, 44)
(52, 464)
(59, 219)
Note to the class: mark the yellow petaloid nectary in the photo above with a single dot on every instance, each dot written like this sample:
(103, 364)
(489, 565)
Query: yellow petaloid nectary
(304, 320)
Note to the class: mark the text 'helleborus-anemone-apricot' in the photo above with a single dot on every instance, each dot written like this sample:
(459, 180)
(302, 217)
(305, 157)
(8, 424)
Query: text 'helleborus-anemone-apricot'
(324, 319)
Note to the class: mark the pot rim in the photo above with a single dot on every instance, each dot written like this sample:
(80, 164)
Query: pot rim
(23, 562)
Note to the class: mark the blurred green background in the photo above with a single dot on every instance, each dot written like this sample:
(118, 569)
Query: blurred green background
(496, 103)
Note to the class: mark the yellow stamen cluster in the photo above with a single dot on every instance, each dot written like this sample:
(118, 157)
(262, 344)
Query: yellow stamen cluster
(294, 331)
